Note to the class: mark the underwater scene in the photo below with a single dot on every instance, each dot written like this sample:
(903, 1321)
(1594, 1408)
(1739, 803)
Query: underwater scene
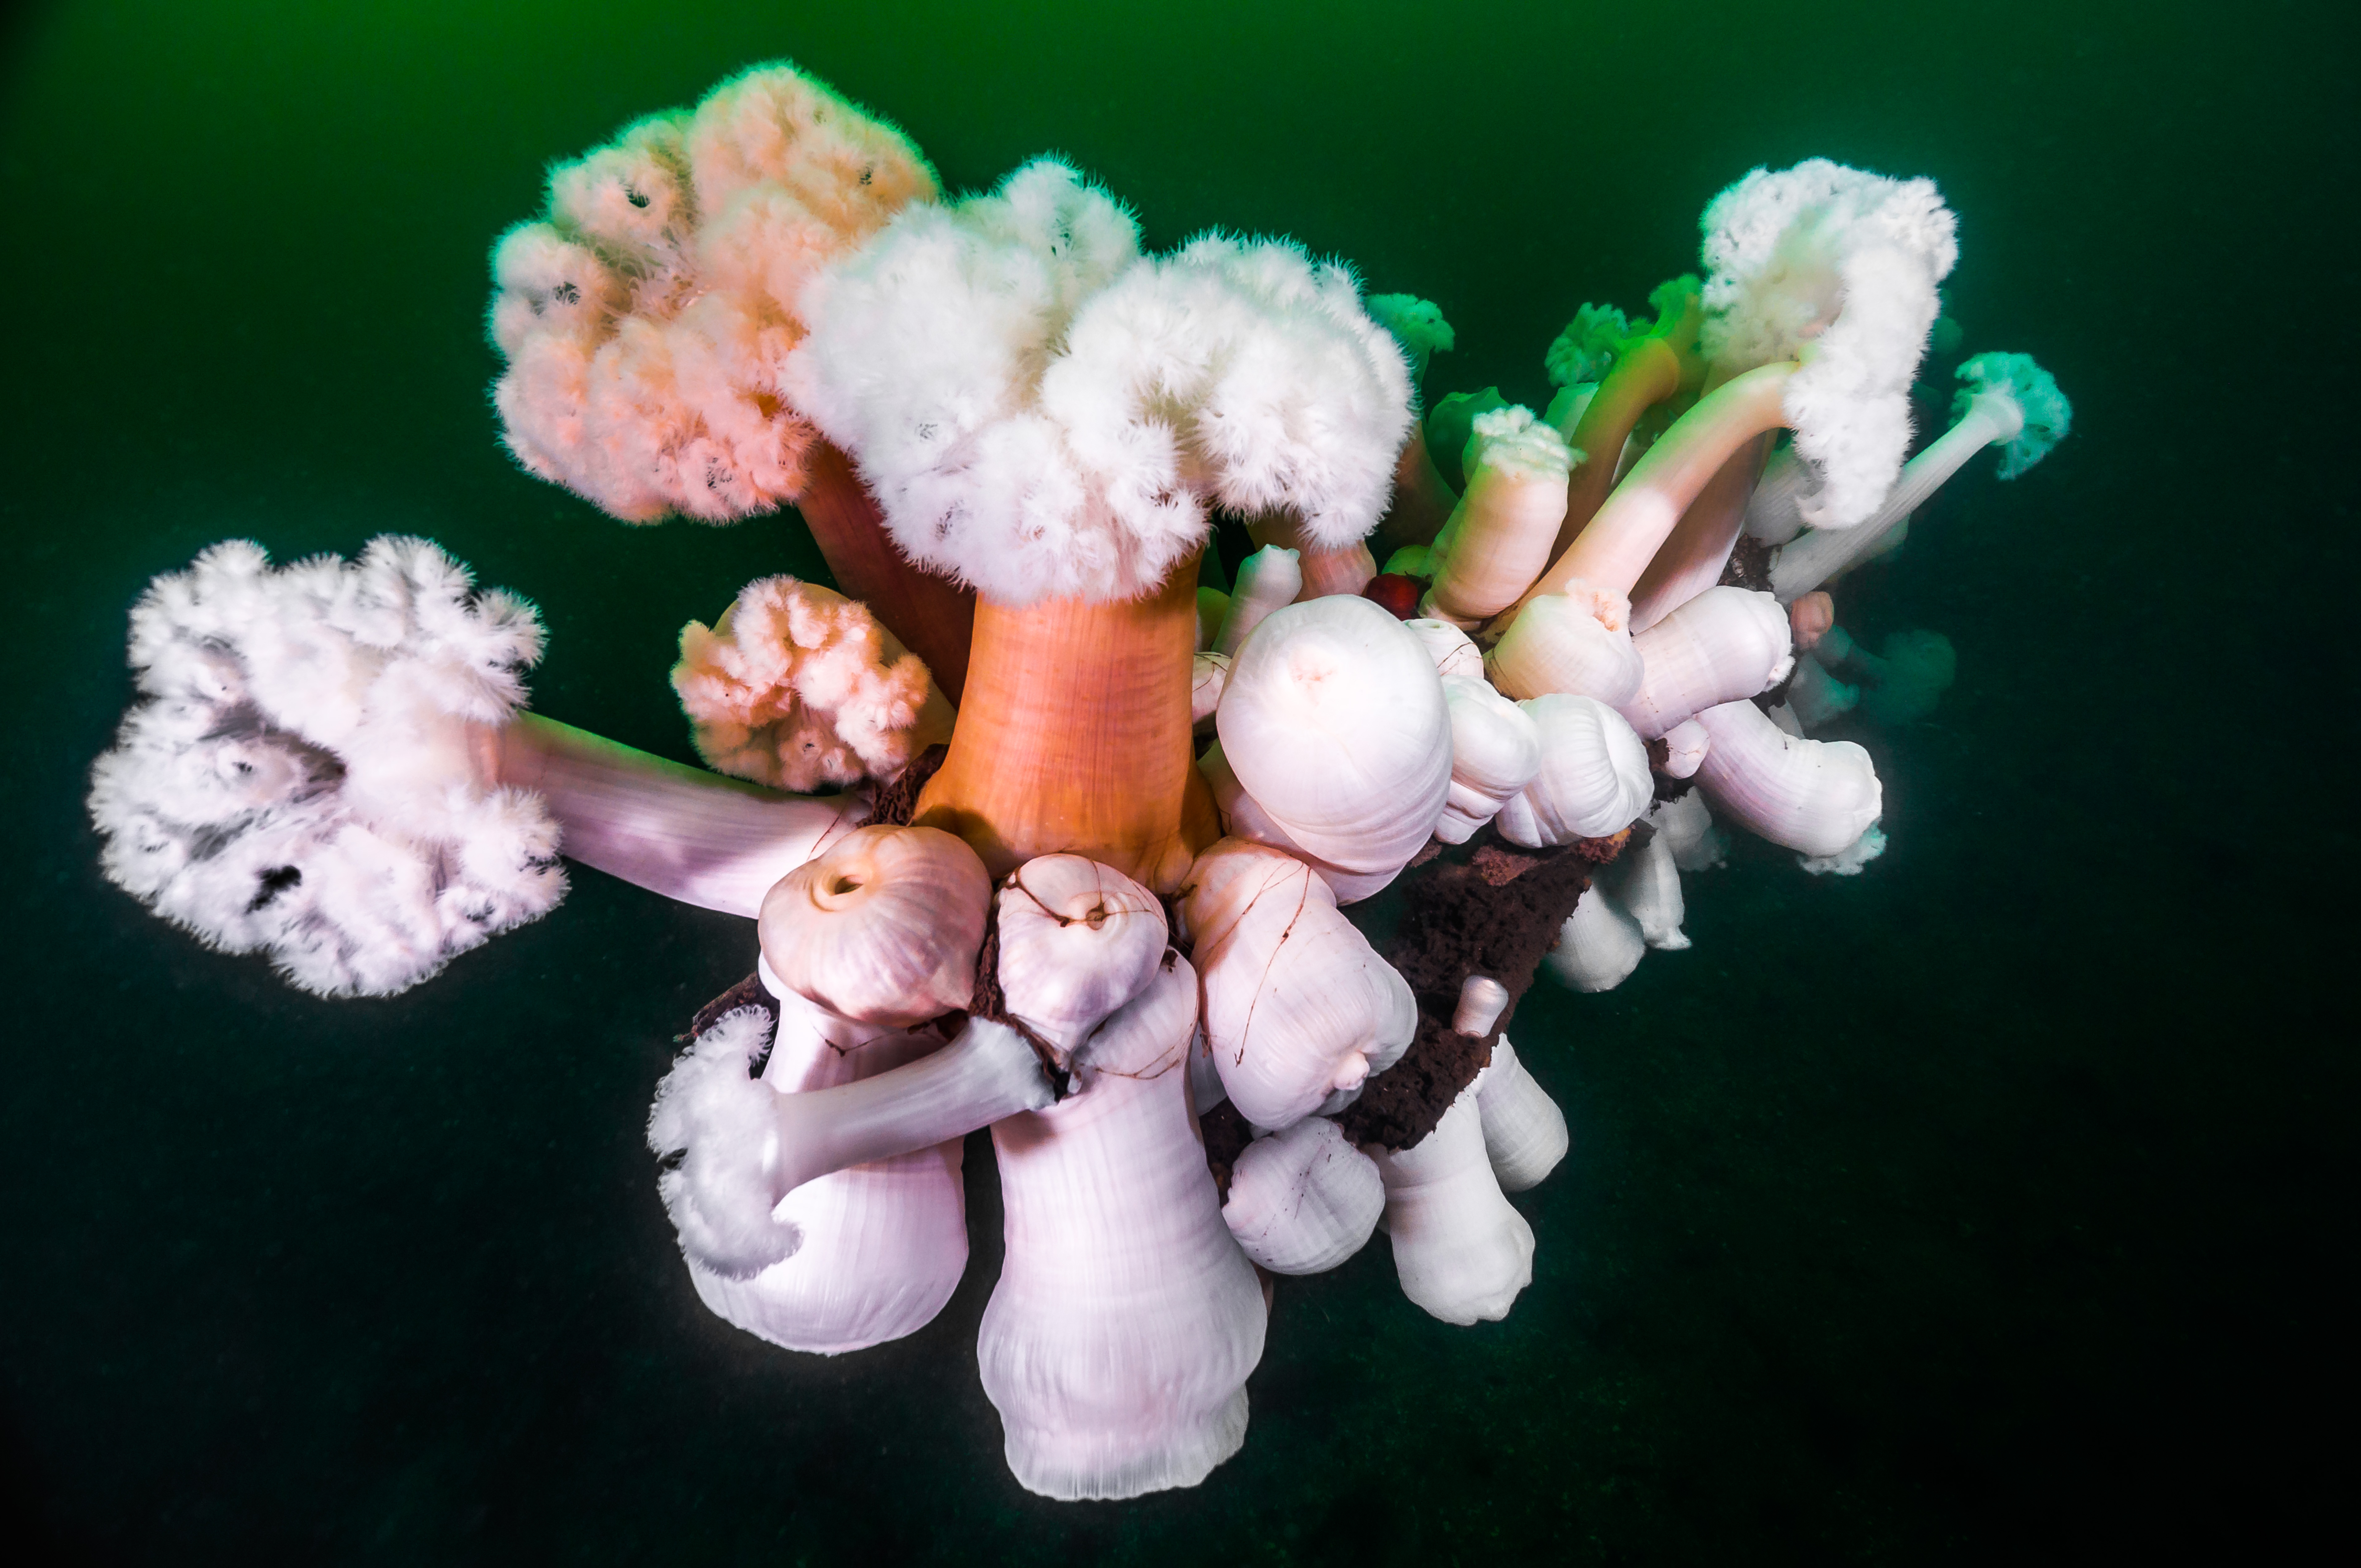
(1268, 783)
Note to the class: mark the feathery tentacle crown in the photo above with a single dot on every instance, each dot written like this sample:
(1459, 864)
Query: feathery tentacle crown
(799, 687)
(1043, 412)
(1839, 267)
(2049, 414)
(301, 776)
(645, 318)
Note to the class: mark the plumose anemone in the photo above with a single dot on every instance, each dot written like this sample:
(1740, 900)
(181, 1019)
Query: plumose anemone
(1102, 807)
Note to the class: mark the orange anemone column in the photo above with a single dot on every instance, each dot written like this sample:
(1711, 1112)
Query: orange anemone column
(1073, 737)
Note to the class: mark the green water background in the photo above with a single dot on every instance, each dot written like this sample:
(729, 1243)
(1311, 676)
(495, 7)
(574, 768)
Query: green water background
(1998, 1198)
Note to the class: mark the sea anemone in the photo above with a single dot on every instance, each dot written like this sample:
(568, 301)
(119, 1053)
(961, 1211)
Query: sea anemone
(1086, 883)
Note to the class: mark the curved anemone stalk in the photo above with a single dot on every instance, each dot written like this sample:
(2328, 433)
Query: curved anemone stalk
(736, 1146)
(2010, 402)
(1614, 548)
(1693, 557)
(1074, 737)
(1118, 1341)
(683, 832)
(1422, 499)
(989, 1072)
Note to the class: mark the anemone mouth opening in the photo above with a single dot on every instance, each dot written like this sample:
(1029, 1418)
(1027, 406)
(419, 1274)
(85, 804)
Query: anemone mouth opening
(842, 883)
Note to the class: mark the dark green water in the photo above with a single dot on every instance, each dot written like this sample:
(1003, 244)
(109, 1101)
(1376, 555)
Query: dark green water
(1995, 1199)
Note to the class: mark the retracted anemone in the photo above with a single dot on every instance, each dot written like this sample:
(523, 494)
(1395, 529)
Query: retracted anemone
(1300, 1009)
(1461, 1253)
(1335, 742)
(303, 772)
(1817, 797)
(1303, 1199)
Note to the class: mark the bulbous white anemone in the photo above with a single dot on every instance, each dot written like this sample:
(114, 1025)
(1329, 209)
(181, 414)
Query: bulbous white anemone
(1600, 945)
(1576, 642)
(884, 927)
(1496, 750)
(1817, 797)
(1684, 746)
(1303, 1199)
(1594, 778)
(304, 773)
(1334, 722)
(1724, 644)
(1118, 1341)
(1461, 1252)
(1524, 1131)
(1077, 940)
(1299, 1006)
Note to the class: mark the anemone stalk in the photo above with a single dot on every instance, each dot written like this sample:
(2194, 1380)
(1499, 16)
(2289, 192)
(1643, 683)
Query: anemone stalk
(1075, 737)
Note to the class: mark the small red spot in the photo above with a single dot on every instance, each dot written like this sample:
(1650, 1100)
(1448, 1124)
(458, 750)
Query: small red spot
(1395, 594)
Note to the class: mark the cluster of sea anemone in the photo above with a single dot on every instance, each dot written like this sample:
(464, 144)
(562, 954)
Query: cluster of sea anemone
(1102, 804)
